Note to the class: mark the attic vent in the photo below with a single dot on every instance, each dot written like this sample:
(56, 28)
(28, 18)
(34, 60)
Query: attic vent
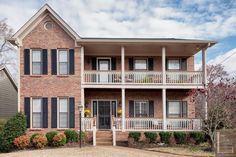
(48, 25)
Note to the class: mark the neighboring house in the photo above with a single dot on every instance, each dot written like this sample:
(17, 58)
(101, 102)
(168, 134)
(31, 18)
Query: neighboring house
(8, 94)
(139, 84)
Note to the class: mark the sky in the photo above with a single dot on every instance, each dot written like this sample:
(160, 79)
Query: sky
(192, 19)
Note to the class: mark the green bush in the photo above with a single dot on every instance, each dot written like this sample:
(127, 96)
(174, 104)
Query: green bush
(135, 135)
(2, 122)
(39, 141)
(71, 135)
(14, 127)
(50, 136)
(151, 135)
(33, 136)
(199, 137)
(59, 140)
(180, 137)
(165, 137)
(83, 135)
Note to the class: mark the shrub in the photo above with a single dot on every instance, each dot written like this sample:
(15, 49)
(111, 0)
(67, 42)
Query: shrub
(151, 135)
(71, 136)
(135, 135)
(199, 137)
(165, 137)
(180, 137)
(83, 135)
(33, 136)
(59, 140)
(39, 141)
(22, 142)
(14, 127)
(50, 136)
(2, 122)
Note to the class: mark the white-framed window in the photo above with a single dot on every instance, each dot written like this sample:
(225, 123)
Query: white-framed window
(174, 64)
(63, 62)
(177, 109)
(141, 109)
(37, 113)
(36, 62)
(140, 64)
(63, 113)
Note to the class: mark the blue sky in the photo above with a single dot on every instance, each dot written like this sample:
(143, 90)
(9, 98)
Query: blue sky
(198, 19)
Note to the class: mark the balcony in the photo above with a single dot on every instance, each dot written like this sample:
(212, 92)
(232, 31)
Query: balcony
(145, 77)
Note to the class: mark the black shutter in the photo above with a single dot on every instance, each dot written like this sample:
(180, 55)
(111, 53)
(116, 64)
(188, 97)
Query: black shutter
(184, 109)
(131, 108)
(150, 64)
(113, 63)
(131, 64)
(54, 112)
(94, 108)
(27, 111)
(26, 61)
(45, 61)
(54, 61)
(71, 112)
(45, 112)
(183, 64)
(167, 109)
(72, 61)
(151, 108)
(94, 63)
(113, 108)
(166, 64)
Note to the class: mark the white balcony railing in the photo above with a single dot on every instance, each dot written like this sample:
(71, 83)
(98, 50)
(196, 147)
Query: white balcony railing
(102, 77)
(88, 123)
(135, 77)
(185, 77)
(152, 124)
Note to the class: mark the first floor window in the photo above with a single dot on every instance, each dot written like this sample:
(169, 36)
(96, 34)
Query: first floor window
(174, 64)
(36, 62)
(63, 62)
(177, 109)
(63, 113)
(140, 64)
(36, 113)
(141, 109)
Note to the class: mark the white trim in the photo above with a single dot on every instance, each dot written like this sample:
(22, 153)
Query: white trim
(31, 61)
(58, 112)
(31, 111)
(68, 62)
(105, 58)
(82, 64)
(18, 80)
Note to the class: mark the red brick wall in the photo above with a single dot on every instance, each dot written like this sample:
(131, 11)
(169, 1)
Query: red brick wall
(50, 85)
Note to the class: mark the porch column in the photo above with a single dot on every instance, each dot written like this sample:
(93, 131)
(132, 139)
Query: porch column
(123, 108)
(164, 65)
(204, 72)
(164, 108)
(82, 64)
(123, 64)
(82, 112)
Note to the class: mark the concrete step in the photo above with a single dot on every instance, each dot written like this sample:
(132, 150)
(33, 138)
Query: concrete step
(104, 138)
(104, 143)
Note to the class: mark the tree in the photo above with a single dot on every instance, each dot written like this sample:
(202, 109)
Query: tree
(220, 96)
(7, 51)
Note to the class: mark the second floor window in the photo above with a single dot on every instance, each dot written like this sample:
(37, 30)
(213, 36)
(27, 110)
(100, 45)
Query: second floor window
(63, 113)
(140, 64)
(174, 64)
(36, 62)
(63, 62)
(36, 113)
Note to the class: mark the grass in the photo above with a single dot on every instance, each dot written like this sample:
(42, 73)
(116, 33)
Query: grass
(187, 150)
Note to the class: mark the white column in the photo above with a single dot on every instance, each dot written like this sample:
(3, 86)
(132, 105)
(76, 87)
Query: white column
(164, 108)
(204, 71)
(18, 79)
(82, 64)
(83, 104)
(123, 108)
(123, 64)
(164, 65)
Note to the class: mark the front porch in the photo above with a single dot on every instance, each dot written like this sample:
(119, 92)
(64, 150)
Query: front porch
(139, 110)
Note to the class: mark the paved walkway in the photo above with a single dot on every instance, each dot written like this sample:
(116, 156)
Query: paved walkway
(100, 151)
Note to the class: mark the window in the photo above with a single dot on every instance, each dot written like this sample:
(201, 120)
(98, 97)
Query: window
(141, 109)
(140, 64)
(174, 64)
(36, 113)
(63, 113)
(36, 62)
(177, 109)
(63, 62)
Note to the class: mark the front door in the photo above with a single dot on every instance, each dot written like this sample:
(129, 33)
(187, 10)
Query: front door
(103, 67)
(104, 114)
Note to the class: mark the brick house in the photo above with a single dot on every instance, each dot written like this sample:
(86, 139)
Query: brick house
(134, 84)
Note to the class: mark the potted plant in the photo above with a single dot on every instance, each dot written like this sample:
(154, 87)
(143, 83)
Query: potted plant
(119, 112)
(87, 112)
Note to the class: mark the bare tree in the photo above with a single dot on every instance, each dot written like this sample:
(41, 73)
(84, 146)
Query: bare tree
(220, 95)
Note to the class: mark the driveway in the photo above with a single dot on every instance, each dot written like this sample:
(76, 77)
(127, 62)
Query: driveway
(99, 151)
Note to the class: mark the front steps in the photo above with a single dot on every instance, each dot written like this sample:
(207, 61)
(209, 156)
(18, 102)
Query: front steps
(104, 138)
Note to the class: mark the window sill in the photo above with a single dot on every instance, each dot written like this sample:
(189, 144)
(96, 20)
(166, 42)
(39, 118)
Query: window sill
(35, 129)
(63, 75)
(36, 75)
(62, 129)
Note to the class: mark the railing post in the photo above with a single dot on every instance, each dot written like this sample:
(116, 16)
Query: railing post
(114, 135)
(94, 135)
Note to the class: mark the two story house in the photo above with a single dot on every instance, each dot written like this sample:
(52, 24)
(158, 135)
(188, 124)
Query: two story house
(134, 84)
